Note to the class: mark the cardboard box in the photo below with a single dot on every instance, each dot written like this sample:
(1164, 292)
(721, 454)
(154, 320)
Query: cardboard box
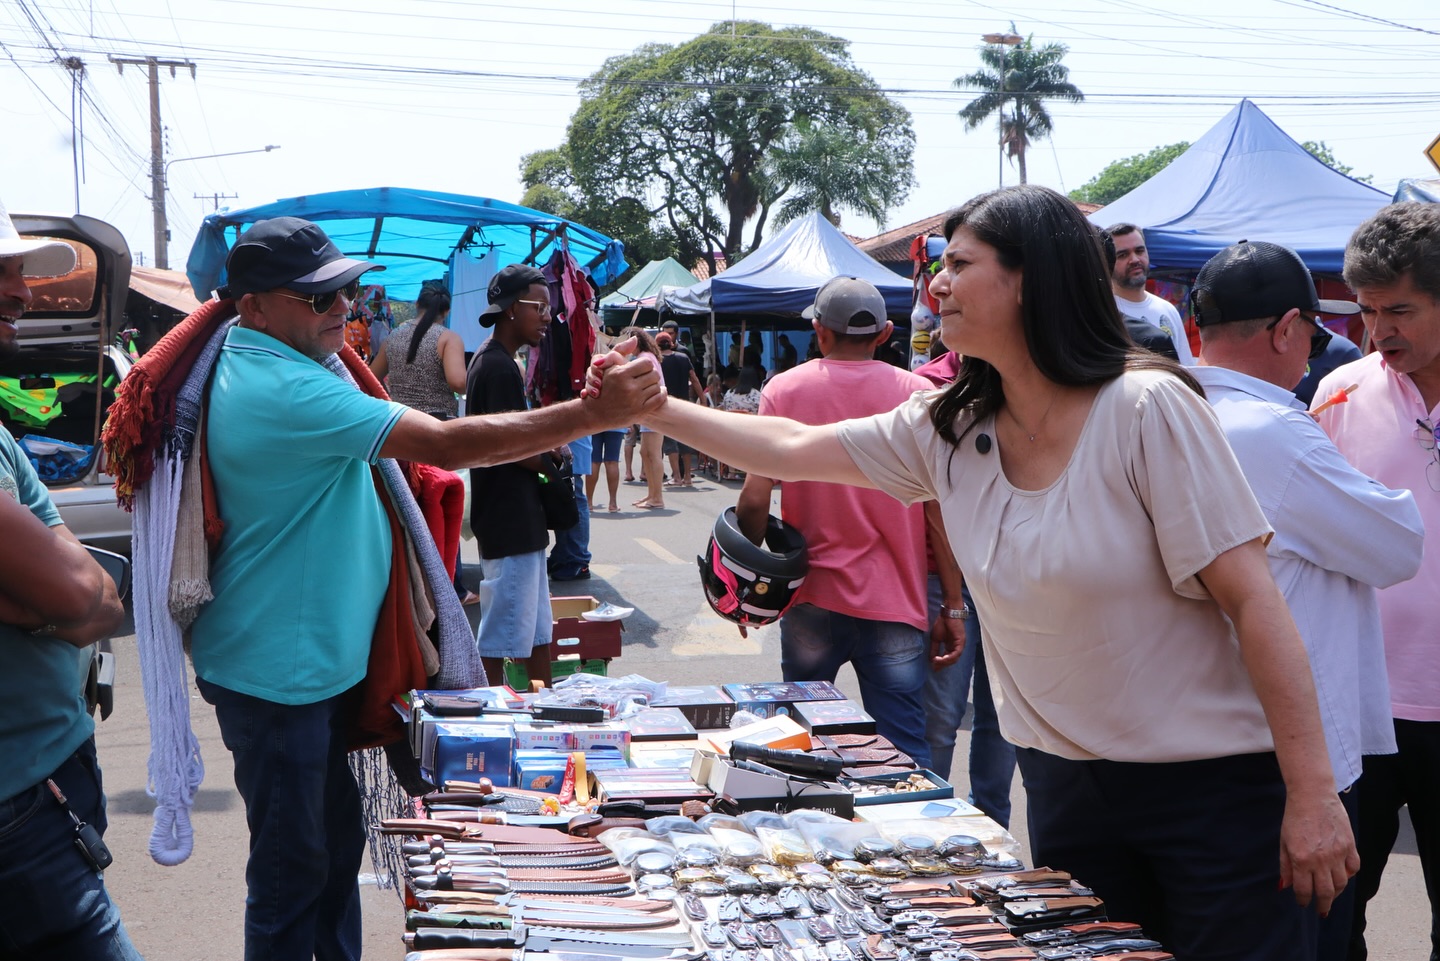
(540, 770)
(611, 734)
(833, 717)
(772, 698)
(662, 755)
(705, 706)
(667, 786)
(659, 724)
(781, 732)
(548, 737)
(743, 790)
(572, 634)
(468, 751)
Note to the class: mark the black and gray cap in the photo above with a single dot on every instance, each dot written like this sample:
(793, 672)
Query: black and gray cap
(848, 305)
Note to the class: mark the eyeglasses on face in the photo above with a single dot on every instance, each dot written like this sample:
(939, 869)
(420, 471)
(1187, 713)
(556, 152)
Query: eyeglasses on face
(321, 303)
(541, 305)
(1319, 337)
(1427, 435)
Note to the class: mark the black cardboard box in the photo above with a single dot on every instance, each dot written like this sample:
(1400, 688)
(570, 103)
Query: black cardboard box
(771, 698)
(704, 706)
(833, 717)
(743, 790)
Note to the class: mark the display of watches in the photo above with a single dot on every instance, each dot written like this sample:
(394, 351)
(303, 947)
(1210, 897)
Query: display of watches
(961, 613)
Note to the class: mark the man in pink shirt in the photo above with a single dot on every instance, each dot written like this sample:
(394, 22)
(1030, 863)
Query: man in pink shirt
(864, 598)
(1385, 421)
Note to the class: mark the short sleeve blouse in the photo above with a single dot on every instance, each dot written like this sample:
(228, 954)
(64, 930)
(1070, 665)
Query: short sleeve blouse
(1100, 639)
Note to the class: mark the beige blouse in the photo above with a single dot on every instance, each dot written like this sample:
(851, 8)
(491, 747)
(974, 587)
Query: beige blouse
(1100, 640)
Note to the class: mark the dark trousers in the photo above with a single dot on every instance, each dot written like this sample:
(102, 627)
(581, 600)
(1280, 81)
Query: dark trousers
(53, 904)
(1190, 850)
(1329, 937)
(307, 835)
(1389, 782)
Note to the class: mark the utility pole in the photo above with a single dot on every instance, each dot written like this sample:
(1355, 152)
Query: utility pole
(157, 147)
(216, 197)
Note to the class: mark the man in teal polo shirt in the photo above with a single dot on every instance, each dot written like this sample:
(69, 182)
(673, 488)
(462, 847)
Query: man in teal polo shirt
(55, 602)
(304, 563)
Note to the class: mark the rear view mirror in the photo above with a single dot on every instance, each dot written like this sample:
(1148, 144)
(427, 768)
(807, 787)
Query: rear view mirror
(116, 565)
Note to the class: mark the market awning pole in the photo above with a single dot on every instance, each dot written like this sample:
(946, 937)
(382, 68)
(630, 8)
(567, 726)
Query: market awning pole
(714, 357)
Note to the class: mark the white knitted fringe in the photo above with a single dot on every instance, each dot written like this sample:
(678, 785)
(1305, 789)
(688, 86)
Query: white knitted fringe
(175, 767)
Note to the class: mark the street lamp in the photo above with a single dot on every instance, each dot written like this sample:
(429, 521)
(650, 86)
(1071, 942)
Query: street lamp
(162, 240)
(1003, 40)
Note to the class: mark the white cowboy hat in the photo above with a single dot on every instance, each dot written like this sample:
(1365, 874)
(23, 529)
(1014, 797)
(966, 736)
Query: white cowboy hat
(43, 258)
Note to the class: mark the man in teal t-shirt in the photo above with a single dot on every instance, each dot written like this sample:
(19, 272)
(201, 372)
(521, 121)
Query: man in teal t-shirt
(304, 563)
(55, 602)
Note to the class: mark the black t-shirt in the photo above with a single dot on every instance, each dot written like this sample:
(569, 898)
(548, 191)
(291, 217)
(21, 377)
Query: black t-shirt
(1150, 337)
(505, 510)
(676, 369)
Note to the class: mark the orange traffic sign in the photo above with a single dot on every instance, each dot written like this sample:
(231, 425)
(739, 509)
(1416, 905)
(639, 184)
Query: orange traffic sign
(1433, 152)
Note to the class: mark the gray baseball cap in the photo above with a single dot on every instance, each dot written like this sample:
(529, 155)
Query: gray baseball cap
(848, 305)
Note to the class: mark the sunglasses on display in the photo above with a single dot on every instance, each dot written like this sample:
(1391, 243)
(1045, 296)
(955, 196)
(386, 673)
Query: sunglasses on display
(541, 305)
(321, 303)
(1427, 435)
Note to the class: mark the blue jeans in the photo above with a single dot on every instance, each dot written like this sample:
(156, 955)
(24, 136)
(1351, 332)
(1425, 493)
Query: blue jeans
(571, 553)
(889, 661)
(307, 833)
(992, 758)
(52, 903)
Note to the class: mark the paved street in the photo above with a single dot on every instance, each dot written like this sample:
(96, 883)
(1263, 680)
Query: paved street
(643, 559)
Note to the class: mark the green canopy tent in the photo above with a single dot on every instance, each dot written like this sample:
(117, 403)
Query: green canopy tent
(639, 292)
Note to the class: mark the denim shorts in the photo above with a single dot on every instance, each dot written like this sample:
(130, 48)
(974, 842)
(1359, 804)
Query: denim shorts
(514, 605)
(605, 446)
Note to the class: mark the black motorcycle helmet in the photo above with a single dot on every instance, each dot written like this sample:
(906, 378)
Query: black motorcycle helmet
(749, 584)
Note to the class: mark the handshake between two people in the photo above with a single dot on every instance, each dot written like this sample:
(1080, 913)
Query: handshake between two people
(632, 385)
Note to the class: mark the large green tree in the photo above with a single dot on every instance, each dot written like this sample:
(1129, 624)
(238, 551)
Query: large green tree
(824, 167)
(698, 131)
(1123, 176)
(1015, 83)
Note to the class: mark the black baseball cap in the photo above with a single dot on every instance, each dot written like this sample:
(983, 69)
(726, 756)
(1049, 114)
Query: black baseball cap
(291, 253)
(506, 287)
(1251, 281)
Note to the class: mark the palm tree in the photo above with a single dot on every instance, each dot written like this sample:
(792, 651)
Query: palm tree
(1022, 78)
(822, 167)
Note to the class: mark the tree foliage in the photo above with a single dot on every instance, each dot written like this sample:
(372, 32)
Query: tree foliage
(1321, 152)
(1021, 78)
(702, 131)
(822, 167)
(1123, 176)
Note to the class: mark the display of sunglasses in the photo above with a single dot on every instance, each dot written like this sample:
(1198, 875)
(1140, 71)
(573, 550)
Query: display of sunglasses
(321, 303)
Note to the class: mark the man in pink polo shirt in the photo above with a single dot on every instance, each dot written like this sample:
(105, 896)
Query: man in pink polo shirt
(864, 598)
(1387, 427)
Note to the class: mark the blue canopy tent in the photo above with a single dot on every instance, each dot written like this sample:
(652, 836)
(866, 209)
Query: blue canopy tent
(1245, 179)
(781, 276)
(414, 233)
(1425, 191)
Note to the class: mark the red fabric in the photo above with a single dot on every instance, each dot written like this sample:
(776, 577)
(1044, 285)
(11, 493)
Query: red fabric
(442, 500)
(578, 294)
(395, 665)
(144, 404)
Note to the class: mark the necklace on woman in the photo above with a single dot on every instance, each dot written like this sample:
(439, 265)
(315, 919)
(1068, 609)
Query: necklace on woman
(1038, 427)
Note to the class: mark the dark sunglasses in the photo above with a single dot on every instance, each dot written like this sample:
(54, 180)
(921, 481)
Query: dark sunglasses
(1319, 338)
(321, 303)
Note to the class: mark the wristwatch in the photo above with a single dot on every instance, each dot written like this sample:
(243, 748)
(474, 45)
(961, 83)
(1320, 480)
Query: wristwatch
(961, 613)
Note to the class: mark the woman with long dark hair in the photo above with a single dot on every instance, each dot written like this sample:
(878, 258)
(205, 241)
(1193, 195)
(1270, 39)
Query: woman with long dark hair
(422, 363)
(1143, 661)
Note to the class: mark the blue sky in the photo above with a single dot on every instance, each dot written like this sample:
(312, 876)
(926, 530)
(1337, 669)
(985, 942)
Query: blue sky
(449, 94)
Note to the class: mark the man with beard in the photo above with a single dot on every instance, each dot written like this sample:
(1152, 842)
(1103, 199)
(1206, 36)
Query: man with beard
(1127, 280)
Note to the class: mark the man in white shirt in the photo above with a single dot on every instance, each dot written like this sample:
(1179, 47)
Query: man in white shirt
(1127, 281)
(1338, 534)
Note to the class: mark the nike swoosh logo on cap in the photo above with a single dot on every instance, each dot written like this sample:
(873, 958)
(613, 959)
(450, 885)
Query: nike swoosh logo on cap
(318, 251)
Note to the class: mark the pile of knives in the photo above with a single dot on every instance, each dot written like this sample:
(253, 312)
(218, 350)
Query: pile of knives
(480, 892)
